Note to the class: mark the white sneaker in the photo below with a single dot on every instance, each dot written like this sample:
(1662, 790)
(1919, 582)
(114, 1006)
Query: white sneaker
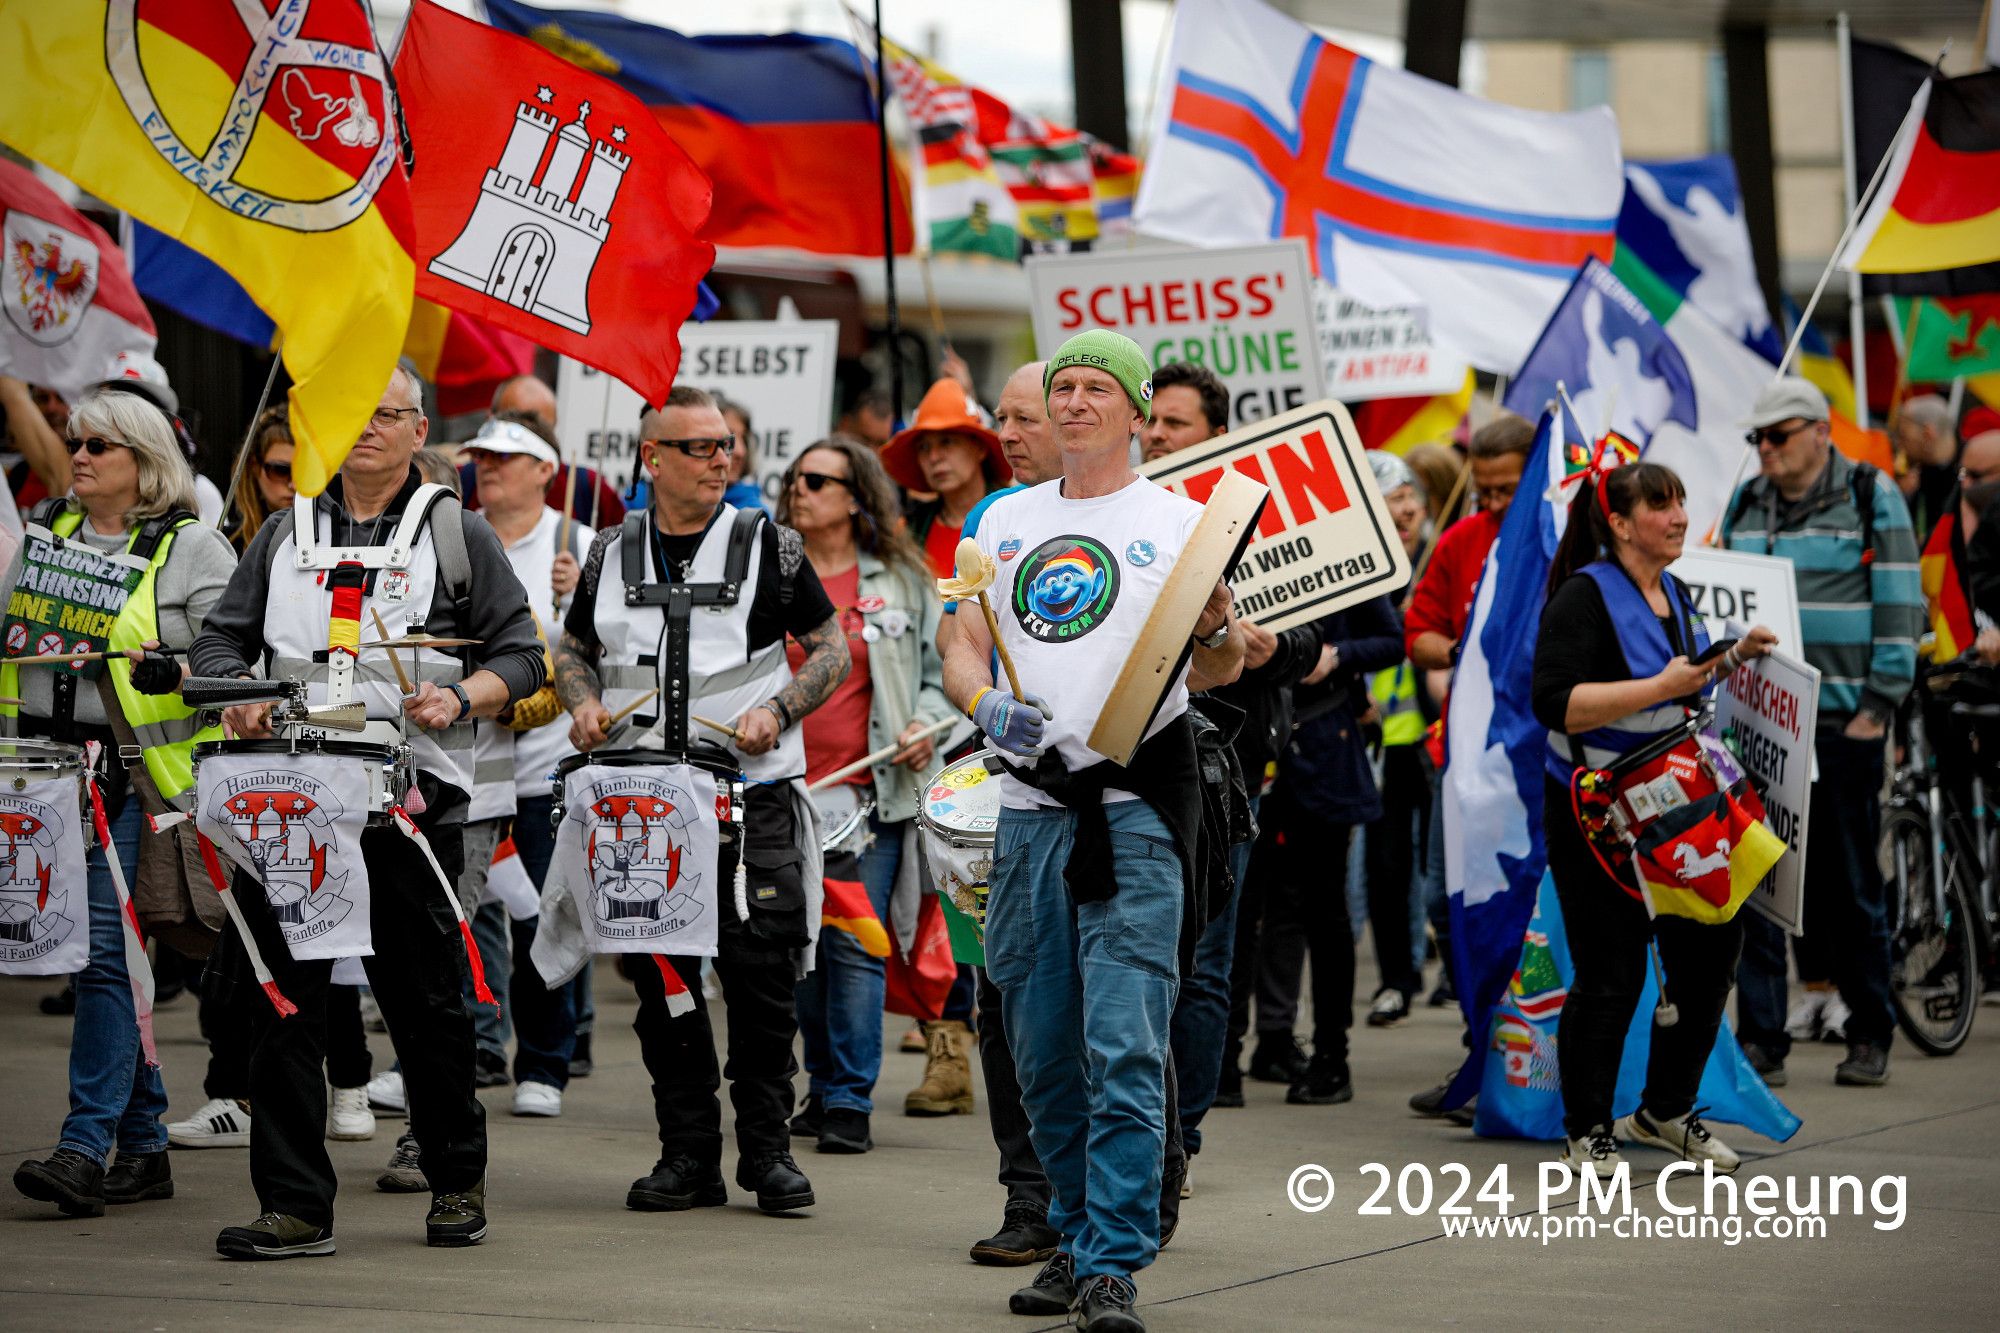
(348, 1116)
(1596, 1153)
(1833, 1024)
(1808, 1012)
(223, 1123)
(1686, 1138)
(537, 1099)
(385, 1093)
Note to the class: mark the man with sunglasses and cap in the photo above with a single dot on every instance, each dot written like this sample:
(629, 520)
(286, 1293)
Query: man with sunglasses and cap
(683, 611)
(1846, 532)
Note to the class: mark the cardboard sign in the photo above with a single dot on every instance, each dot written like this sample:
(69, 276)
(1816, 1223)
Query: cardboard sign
(68, 597)
(1772, 706)
(782, 374)
(1324, 540)
(1734, 590)
(1371, 353)
(1245, 313)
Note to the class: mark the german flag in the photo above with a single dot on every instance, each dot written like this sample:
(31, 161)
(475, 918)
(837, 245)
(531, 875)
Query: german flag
(262, 135)
(847, 908)
(1400, 424)
(1938, 205)
(1952, 629)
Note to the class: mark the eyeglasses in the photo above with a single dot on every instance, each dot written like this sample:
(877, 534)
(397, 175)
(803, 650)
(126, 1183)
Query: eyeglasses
(385, 418)
(278, 471)
(1774, 437)
(818, 481)
(699, 448)
(94, 445)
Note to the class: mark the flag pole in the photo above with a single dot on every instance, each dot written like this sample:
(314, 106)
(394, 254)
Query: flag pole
(1856, 309)
(249, 435)
(888, 227)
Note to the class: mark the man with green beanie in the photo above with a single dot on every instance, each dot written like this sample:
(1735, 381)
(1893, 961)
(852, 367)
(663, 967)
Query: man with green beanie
(1084, 929)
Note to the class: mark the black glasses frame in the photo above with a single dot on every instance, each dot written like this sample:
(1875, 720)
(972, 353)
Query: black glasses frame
(699, 448)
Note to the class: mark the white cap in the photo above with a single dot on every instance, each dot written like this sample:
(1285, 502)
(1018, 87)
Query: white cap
(511, 437)
(1784, 399)
(1391, 472)
(135, 372)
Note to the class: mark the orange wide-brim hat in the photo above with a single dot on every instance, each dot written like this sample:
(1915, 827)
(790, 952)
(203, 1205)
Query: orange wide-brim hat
(946, 410)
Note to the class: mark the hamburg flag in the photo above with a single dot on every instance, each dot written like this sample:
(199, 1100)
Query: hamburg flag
(784, 125)
(262, 135)
(548, 201)
(1938, 204)
(1404, 190)
(71, 306)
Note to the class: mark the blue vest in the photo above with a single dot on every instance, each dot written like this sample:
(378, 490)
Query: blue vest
(1647, 649)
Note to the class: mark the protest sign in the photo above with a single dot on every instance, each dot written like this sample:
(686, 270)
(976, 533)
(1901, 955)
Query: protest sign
(1324, 540)
(1387, 353)
(68, 596)
(1734, 590)
(781, 372)
(1772, 706)
(1245, 313)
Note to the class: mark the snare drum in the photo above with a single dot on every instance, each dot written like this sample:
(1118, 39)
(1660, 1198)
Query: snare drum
(712, 759)
(26, 760)
(843, 818)
(960, 813)
(385, 772)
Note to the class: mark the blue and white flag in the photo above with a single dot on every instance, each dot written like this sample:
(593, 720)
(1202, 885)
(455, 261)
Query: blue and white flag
(1659, 372)
(1494, 856)
(1683, 220)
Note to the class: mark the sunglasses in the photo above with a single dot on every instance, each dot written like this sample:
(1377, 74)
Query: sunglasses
(277, 471)
(95, 446)
(1774, 437)
(699, 448)
(819, 481)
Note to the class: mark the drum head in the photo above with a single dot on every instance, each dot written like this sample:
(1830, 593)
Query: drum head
(964, 798)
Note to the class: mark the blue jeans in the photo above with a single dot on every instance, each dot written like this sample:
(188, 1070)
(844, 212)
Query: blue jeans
(840, 1000)
(1201, 1014)
(1089, 994)
(115, 1097)
(544, 1019)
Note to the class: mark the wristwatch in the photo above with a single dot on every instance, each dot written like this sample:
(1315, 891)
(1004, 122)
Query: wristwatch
(464, 701)
(1215, 640)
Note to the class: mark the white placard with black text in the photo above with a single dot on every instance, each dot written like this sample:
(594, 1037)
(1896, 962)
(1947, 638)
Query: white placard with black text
(1772, 706)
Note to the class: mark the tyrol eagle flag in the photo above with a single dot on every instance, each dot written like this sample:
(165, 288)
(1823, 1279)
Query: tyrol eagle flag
(262, 136)
(549, 201)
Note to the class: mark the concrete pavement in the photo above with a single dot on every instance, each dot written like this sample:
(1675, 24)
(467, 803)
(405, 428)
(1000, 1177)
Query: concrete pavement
(886, 1247)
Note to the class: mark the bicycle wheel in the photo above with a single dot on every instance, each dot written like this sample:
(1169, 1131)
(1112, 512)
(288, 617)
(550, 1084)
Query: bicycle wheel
(1934, 962)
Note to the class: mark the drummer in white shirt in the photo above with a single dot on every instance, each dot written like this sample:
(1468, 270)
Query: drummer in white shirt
(513, 460)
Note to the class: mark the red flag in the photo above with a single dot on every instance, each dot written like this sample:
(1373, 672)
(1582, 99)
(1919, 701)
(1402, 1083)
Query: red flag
(549, 201)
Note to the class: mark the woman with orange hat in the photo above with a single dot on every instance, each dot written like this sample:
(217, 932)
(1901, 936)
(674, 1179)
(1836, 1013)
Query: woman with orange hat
(949, 453)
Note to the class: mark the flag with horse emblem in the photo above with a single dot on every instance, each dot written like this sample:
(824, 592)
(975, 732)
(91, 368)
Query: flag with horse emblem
(637, 850)
(283, 820)
(44, 889)
(261, 134)
(71, 306)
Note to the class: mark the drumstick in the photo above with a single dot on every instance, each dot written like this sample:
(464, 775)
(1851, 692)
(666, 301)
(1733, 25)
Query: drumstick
(974, 572)
(394, 661)
(631, 708)
(46, 659)
(870, 760)
(722, 727)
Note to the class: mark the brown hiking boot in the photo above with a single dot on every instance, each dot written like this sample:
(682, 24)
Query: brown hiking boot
(947, 1085)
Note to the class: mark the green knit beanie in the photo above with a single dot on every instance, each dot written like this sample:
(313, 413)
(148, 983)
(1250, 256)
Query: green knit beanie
(1115, 355)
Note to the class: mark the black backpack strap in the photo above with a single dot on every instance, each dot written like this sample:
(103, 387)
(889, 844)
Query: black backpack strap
(632, 539)
(46, 509)
(743, 532)
(156, 529)
(1862, 486)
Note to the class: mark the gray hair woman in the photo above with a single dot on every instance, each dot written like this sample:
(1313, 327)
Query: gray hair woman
(131, 493)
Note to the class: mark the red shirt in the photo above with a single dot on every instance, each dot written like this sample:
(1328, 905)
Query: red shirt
(836, 733)
(1442, 603)
(941, 548)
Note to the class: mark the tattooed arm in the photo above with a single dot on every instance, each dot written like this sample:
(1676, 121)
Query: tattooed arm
(580, 689)
(827, 664)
